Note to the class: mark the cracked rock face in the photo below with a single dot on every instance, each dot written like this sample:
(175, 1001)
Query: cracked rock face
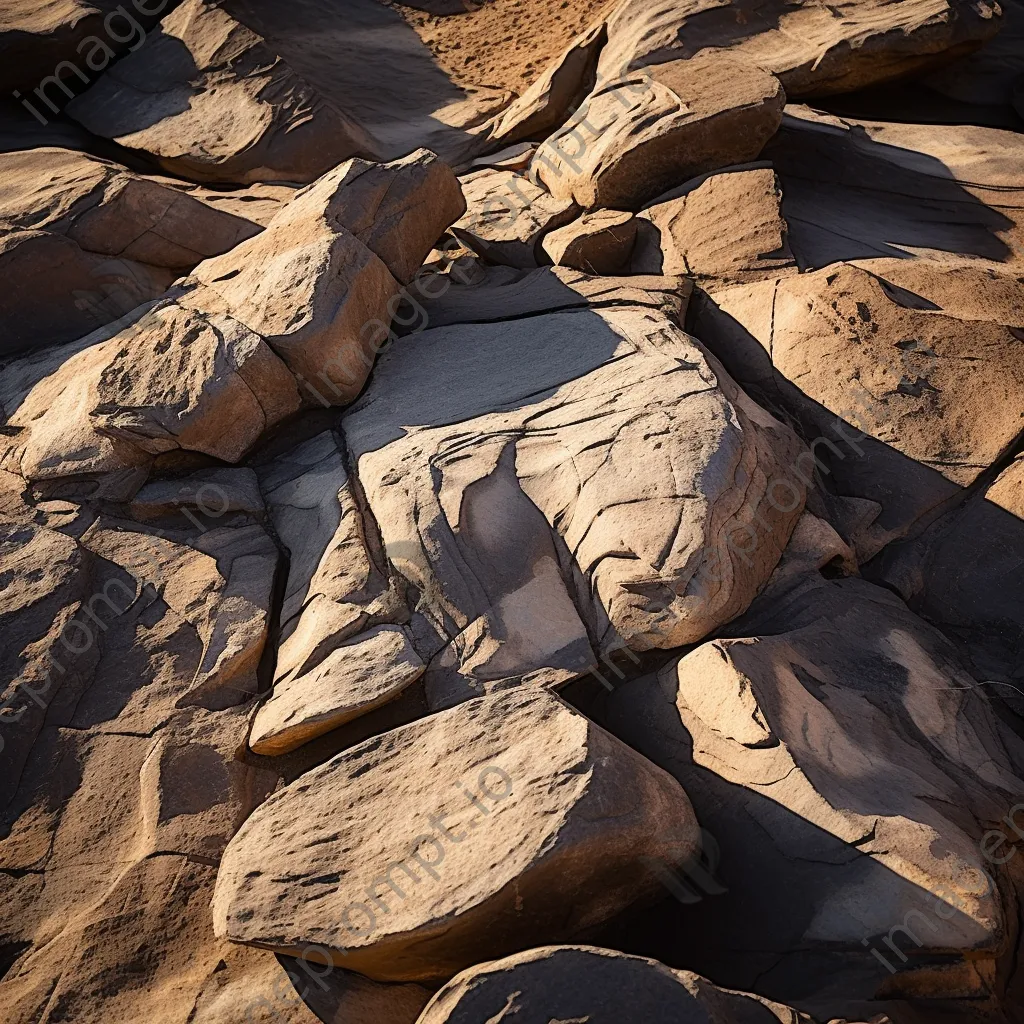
(597, 985)
(582, 481)
(207, 98)
(639, 135)
(386, 878)
(834, 748)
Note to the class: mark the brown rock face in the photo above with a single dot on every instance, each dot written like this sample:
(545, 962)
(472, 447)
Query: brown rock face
(551, 796)
(638, 135)
(598, 985)
(207, 98)
(598, 243)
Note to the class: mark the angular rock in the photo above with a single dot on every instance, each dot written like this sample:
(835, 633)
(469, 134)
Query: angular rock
(814, 50)
(858, 189)
(508, 216)
(722, 228)
(536, 850)
(598, 243)
(548, 103)
(96, 413)
(913, 367)
(637, 136)
(209, 100)
(559, 481)
(848, 769)
(586, 983)
(84, 241)
(352, 680)
(211, 493)
(503, 293)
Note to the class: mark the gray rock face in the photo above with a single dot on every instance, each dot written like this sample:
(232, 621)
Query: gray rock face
(833, 749)
(561, 490)
(207, 98)
(596, 985)
(552, 796)
(641, 134)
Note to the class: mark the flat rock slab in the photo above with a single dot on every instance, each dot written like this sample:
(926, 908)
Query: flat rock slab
(352, 680)
(600, 986)
(462, 835)
(814, 50)
(507, 217)
(209, 100)
(637, 136)
(560, 480)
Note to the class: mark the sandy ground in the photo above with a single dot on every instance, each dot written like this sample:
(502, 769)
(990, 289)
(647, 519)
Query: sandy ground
(500, 43)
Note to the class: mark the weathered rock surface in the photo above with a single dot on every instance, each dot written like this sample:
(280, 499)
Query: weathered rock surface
(848, 770)
(814, 50)
(207, 98)
(598, 243)
(563, 489)
(720, 228)
(639, 135)
(553, 797)
(118, 794)
(507, 217)
(84, 241)
(595, 985)
(912, 367)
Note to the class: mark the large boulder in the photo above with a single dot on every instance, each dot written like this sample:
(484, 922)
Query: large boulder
(638, 135)
(557, 485)
(814, 50)
(209, 100)
(853, 777)
(84, 241)
(505, 821)
(600, 986)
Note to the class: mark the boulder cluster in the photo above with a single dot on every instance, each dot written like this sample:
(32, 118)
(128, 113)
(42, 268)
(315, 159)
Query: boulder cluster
(547, 556)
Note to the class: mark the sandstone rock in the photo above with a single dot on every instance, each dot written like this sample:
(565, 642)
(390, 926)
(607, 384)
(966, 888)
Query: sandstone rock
(722, 228)
(856, 189)
(207, 98)
(503, 293)
(548, 103)
(211, 493)
(598, 243)
(350, 681)
(84, 241)
(909, 366)
(507, 217)
(641, 134)
(563, 486)
(541, 851)
(599, 985)
(95, 413)
(847, 768)
(814, 50)
(511, 158)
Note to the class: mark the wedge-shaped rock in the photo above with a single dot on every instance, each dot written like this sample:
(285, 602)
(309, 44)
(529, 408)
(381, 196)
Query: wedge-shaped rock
(507, 217)
(639, 135)
(589, 984)
(96, 413)
(598, 243)
(850, 772)
(350, 681)
(913, 367)
(555, 95)
(721, 228)
(207, 98)
(508, 820)
(815, 50)
(399, 209)
(84, 241)
(565, 484)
